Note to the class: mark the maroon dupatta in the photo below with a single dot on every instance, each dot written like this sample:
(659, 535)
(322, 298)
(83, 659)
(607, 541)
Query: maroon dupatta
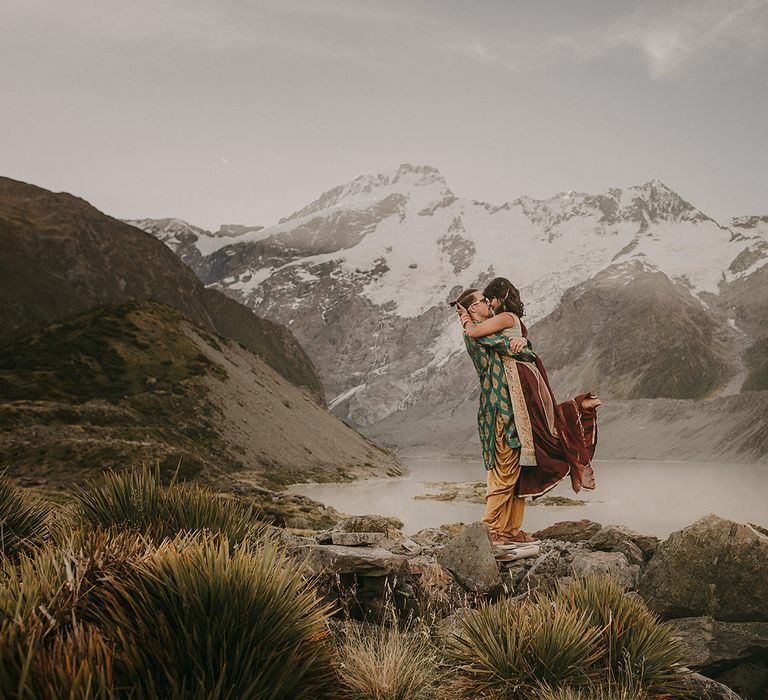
(563, 435)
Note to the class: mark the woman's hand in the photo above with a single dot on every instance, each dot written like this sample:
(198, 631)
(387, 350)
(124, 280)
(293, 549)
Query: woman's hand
(464, 317)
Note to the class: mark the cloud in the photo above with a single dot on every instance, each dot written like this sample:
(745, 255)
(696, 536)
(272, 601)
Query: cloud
(673, 39)
(669, 37)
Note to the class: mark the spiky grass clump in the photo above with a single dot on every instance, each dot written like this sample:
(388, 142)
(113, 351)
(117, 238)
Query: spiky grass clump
(138, 501)
(636, 644)
(506, 649)
(203, 619)
(76, 665)
(49, 647)
(57, 586)
(377, 662)
(23, 518)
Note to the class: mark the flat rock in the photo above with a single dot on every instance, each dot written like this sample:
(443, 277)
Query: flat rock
(712, 645)
(469, 557)
(569, 530)
(714, 567)
(408, 545)
(364, 524)
(613, 564)
(611, 538)
(357, 539)
(364, 561)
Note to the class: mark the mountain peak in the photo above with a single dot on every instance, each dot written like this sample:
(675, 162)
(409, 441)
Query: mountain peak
(405, 175)
(367, 188)
(654, 201)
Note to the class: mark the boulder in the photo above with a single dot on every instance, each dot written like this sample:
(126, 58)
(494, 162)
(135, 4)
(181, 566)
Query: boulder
(289, 540)
(703, 688)
(469, 557)
(356, 539)
(714, 567)
(364, 561)
(613, 564)
(431, 537)
(514, 574)
(364, 523)
(569, 531)
(712, 645)
(543, 573)
(749, 679)
(612, 538)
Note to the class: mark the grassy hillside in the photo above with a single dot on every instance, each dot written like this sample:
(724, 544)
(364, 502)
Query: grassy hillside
(61, 256)
(115, 385)
(139, 382)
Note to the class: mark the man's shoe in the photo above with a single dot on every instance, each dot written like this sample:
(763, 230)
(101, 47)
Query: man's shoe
(523, 537)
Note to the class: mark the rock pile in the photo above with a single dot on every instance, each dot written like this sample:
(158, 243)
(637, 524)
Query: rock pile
(710, 580)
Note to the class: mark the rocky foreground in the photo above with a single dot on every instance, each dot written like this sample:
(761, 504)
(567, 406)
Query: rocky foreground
(708, 580)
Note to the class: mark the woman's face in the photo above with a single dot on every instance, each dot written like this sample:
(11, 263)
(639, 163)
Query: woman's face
(479, 309)
(495, 303)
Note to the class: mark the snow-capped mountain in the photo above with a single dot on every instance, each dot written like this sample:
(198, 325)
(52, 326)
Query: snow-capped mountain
(189, 242)
(362, 276)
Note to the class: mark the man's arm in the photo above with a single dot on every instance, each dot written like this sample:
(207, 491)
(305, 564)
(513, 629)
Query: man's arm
(477, 354)
(500, 343)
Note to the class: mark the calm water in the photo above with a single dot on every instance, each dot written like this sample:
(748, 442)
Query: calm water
(650, 497)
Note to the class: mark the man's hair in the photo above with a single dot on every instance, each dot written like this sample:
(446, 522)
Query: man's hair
(465, 298)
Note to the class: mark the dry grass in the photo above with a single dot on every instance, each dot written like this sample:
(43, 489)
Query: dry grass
(378, 662)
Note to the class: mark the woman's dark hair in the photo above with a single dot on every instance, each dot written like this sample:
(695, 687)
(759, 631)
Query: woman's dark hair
(502, 289)
(465, 298)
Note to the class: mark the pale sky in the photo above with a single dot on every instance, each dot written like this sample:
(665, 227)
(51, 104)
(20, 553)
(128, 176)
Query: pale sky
(242, 111)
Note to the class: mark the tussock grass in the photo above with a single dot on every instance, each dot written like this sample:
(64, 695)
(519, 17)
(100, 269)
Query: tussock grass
(377, 662)
(636, 644)
(137, 501)
(23, 518)
(76, 665)
(200, 619)
(107, 614)
(506, 649)
(49, 646)
(586, 639)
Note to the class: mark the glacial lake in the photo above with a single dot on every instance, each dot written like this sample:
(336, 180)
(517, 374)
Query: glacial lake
(654, 498)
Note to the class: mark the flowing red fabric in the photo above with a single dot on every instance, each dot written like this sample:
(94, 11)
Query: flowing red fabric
(570, 450)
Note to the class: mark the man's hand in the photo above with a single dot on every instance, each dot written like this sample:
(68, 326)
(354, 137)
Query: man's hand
(517, 344)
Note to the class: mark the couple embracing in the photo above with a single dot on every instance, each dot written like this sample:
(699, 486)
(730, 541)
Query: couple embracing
(530, 442)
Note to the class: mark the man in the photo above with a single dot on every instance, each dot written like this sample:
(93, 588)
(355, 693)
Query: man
(504, 509)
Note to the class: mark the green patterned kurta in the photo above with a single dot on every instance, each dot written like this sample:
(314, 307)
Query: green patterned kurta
(494, 393)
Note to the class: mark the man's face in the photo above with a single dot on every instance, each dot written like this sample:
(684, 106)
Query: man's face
(479, 309)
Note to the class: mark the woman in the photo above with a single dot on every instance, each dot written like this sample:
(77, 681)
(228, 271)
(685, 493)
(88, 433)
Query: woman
(532, 449)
